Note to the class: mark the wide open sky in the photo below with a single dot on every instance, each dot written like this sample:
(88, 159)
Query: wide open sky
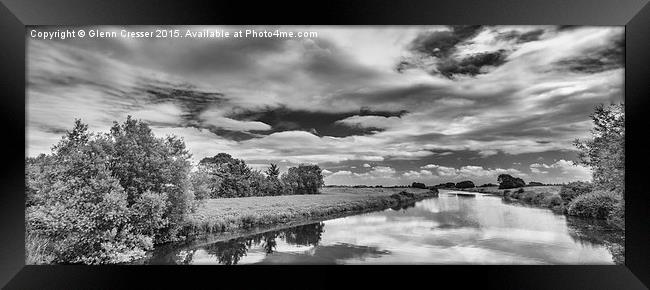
(371, 105)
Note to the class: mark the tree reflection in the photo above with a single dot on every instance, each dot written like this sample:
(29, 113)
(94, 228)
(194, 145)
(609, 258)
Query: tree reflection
(403, 206)
(231, 252)
(588, 231)
(306, 235)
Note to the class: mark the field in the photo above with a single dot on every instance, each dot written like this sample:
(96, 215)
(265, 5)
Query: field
(246, 213)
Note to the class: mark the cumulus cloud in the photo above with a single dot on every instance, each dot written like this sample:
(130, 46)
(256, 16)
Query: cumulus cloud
(494, 91)
(561, 168)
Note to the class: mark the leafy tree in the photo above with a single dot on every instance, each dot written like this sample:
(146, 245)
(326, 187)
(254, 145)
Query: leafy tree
(446, 185)
(82, 208)
(107, 198)
(418, 185)
(273, 172)
(234, 175)
(605, 152)
(535, 183)
(507, 181)
(142, 162)
(304, 179)
(273, 178)
(465, 184)
(574, 189)
(203, 183)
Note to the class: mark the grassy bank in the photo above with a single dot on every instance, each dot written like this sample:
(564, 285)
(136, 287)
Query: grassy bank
(223, 216)
(549, 197)
(551, 189)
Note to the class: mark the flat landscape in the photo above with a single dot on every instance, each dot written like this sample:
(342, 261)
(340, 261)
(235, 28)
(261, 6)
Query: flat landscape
(228, 214)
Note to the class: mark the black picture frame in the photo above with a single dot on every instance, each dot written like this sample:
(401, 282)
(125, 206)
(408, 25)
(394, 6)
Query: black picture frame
(16, 14)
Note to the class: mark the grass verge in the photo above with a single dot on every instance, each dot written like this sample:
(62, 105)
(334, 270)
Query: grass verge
(223, 216)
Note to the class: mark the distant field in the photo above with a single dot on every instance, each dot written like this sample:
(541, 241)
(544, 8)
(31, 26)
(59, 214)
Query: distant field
(226, 214)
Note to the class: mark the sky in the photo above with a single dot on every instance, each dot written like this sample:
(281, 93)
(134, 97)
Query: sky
(374, 105)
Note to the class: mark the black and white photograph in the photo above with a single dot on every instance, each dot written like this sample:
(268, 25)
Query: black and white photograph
(325, 145)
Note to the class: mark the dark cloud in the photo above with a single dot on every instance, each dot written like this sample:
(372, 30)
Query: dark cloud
(191, 100)
(318, 123)
(597, 60)
(520, 37)
(233, 135)
(472, 64)
(327, 62)
(567, 27)
(441, 45)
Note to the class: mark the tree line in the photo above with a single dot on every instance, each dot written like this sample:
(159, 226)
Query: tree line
(223, 176)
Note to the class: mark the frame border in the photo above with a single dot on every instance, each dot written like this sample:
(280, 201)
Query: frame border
(634, 14)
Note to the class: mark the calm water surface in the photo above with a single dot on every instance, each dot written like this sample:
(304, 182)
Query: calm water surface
(449, 229)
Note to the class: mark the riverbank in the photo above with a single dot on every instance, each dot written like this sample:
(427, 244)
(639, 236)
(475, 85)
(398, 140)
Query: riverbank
(538, 196)
(228, 216)
(549, 197)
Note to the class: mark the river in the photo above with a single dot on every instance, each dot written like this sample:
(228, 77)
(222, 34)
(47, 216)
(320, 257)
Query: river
(448, 229)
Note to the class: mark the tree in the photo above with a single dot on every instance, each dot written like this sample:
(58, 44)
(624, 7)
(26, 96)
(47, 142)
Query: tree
(273, 178)
(418, 185)
(233, 175)
(605, 152)
(143, 162)
(574, 189)
(273, 172)
(507, 181)
(82, 209)
(446, 185)
(535, 183)
(465, 184)
(304, 179)
(106, 198)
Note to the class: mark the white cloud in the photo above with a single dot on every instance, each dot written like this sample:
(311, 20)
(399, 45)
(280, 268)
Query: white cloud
(510, 109)
(159, 113)
(560, 171)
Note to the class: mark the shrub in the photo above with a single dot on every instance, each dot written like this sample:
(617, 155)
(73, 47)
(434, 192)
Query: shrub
(87, 221)
(573, 189)
(304, 179)
(507, 181)
(446, 185)
(596, 204)
(106, 198)
(535, 183)
(148, 213)
(617, 215)
(418, 185)
(605, 152)
(465, 184)
(38, 250)
(202, 184)
(552, 200)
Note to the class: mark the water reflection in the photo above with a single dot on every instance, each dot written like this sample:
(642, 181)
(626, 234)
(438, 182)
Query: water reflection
(449, 229)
